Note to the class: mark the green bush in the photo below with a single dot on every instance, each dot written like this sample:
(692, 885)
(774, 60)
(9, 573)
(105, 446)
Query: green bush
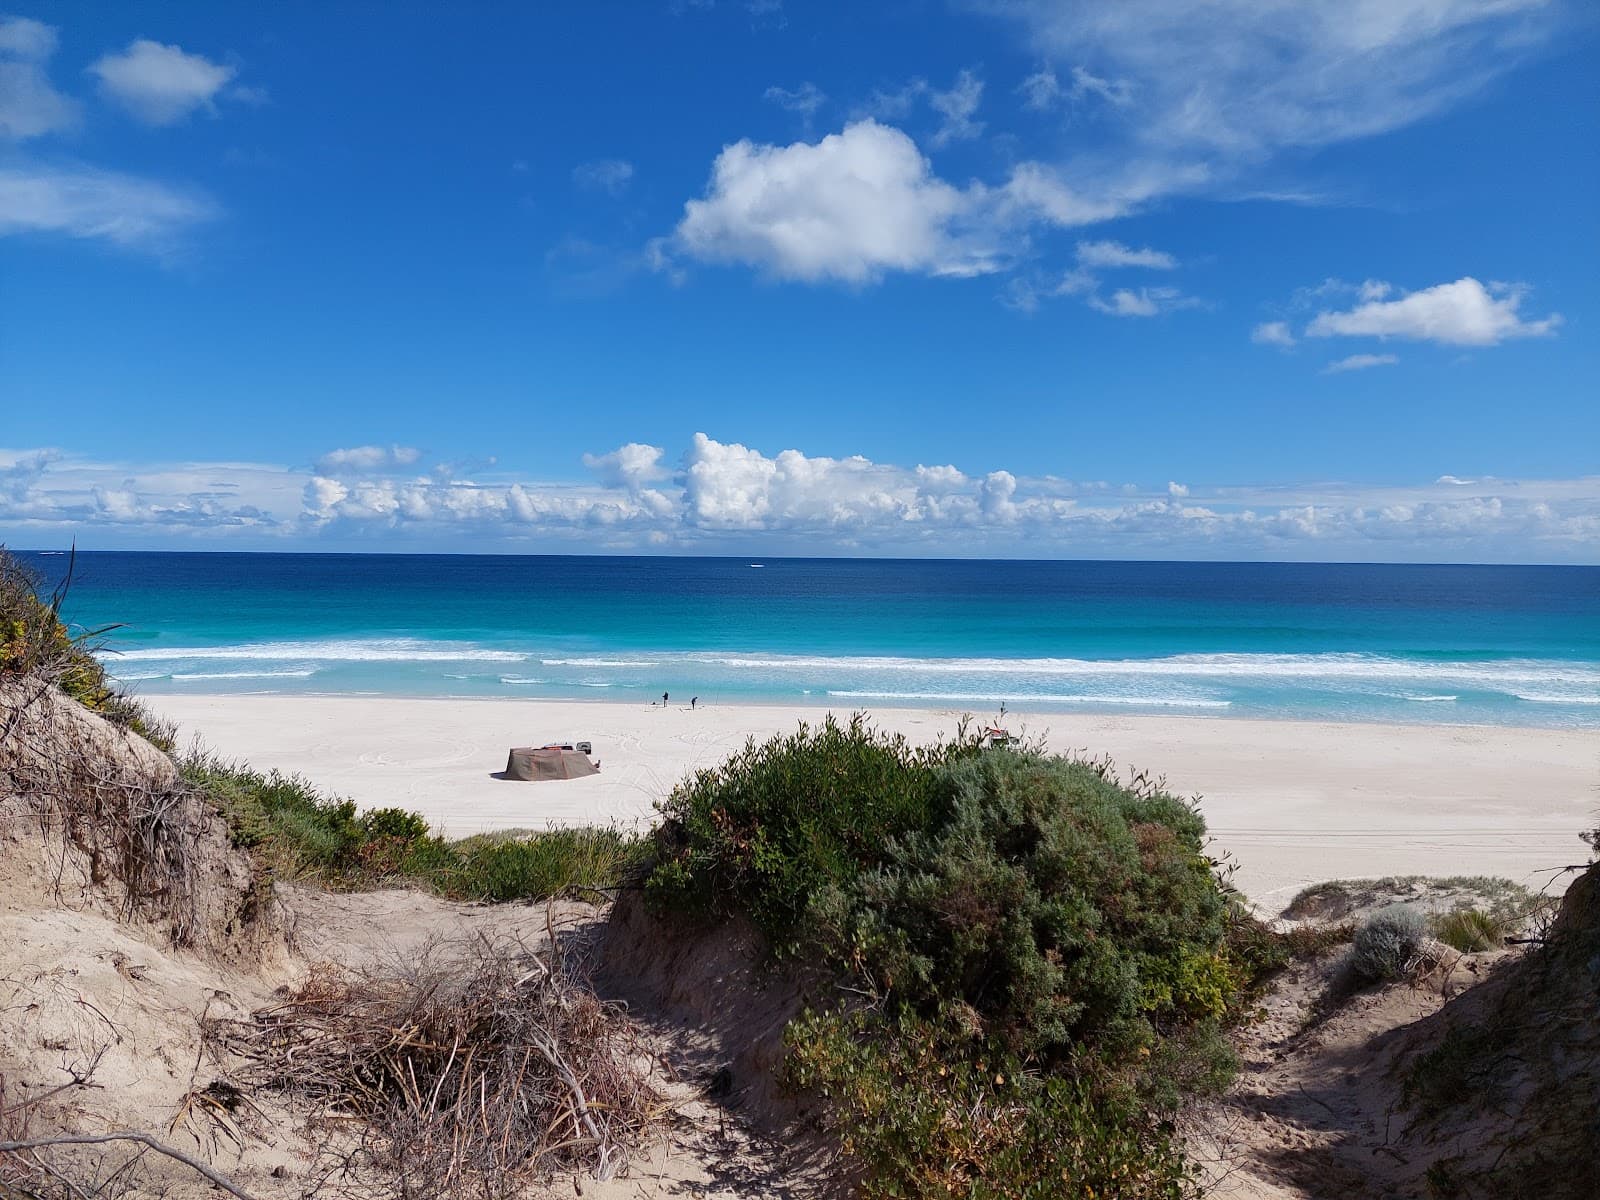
(1058, 906)
(304, 834)
(556, 862)
(782, 821)
(1388, 943)
(1469, 930)
(1046, 958)
(925, 1117)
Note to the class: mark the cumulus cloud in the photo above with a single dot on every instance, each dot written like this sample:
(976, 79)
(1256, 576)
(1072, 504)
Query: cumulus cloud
(363, 459)
(160, 84)
(1463, 313)
(1360, 362)
(633, 466)
(1273, 333)
(86, 202)
(851, 207)
(729, 494)
(30, 106)
(609, 175)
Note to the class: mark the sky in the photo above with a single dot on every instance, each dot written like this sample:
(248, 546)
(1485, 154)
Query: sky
(1254, 279)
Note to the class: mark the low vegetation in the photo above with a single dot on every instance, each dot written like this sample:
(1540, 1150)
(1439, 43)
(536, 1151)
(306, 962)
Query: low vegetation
(1388, 943)
(36, 643)
(1469, 930)
(305, 835)
(1040, 961)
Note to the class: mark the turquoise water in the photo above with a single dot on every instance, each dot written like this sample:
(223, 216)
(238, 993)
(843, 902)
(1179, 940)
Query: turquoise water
(1506, 645)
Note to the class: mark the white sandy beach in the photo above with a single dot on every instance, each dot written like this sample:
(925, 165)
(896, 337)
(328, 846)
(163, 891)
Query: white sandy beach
(1293, 802)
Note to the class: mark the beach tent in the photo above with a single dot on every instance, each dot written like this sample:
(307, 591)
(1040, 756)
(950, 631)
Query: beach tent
(548, 762)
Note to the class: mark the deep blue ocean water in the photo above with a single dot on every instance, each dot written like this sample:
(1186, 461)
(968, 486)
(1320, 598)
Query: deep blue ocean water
(1481, 644)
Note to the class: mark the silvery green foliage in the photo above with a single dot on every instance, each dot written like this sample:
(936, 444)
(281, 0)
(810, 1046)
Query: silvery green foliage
(1388, 942)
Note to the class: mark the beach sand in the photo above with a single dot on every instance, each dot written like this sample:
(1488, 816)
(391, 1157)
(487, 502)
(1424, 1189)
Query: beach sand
(1292, 802)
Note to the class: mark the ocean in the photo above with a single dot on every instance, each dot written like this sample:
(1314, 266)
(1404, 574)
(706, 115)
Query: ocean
(1508, 645)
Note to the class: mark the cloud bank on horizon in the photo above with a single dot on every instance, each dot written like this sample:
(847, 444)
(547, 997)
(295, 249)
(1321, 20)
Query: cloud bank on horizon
(727, 497)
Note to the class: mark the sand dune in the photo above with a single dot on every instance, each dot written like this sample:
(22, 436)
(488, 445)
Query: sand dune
(1292, 802)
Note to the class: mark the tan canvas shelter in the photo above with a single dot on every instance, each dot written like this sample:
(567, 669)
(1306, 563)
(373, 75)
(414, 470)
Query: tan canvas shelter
(548, 762)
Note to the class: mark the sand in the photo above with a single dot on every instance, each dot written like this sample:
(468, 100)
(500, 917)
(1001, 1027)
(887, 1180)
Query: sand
(1293, 803)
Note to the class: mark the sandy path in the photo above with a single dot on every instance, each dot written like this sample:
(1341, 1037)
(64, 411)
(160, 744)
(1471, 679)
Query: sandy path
(1294, 802)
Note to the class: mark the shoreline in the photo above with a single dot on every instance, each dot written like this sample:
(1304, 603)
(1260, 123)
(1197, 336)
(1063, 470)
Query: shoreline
(1292, 802)
(1101, 709)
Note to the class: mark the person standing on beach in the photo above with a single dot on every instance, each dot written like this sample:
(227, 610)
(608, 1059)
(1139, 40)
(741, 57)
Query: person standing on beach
(693, 700)
(664, 698)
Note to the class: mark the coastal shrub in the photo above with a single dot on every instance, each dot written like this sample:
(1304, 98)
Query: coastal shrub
(1387, 943)
(1044, 959)
(304, 834)
(555, 862)
(924, 1117)
(782, 821)
(1469, 930)
(35, 641)
(1058, 906)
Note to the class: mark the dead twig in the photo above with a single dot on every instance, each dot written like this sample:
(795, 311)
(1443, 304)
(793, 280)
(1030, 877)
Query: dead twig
(129, 1135)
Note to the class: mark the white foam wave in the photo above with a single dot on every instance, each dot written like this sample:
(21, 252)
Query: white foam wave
(1215, 666)
(135, 676)
(352, 650)
(1416, 699)
(1543, 698)
(1013, 698)
(304, 673)
(518, 680)
(596, 662)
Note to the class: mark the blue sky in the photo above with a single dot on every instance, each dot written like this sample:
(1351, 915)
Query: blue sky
(1264, 281)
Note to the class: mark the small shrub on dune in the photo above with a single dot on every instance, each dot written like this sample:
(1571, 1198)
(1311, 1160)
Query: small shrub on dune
(36, 642)
(1469, 930)
(1388, 943)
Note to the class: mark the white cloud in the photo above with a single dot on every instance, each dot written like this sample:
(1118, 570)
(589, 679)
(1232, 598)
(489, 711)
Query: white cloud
(1040, 91)
(1115, 254)
(633, 466)
(160, 84)
(851, 207)
(362, 459)
(1273, 333)
(1113, 91)
(23, 37)
(732, 495)
(29, 105)
(609, 175)
(1463, 313)
(1201, 96)
(84, 202)
(1143, 302)
(804, 100)
(957, 107)
(1360, 362)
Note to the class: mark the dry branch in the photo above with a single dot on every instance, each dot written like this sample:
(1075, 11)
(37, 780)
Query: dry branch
(477, 1071)
(128, 1135)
